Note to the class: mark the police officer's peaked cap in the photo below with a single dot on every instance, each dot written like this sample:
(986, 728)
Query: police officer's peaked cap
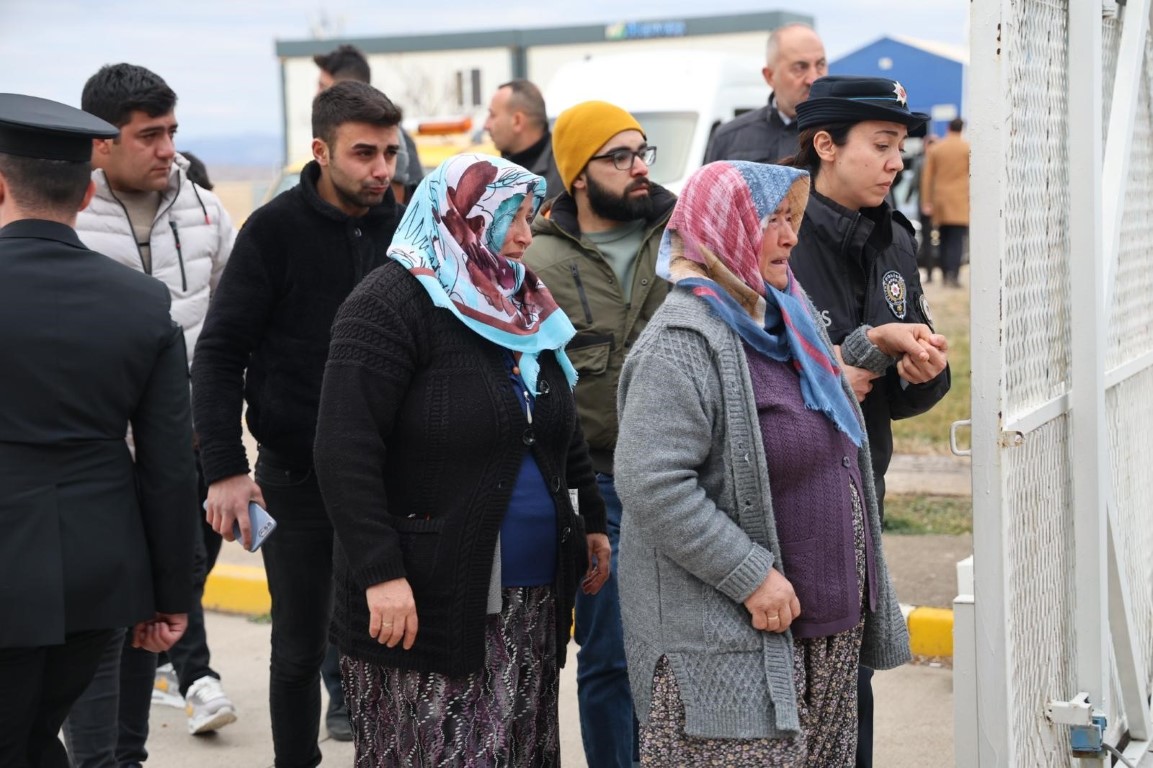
(848, 99)
(49, 130)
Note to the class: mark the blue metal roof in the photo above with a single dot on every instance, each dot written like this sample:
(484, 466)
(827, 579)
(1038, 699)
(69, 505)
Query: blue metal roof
(930, 78)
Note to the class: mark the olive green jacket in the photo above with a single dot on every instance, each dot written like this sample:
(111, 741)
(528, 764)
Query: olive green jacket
(585, 287)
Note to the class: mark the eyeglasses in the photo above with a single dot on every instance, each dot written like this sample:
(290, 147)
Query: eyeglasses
(623, 159)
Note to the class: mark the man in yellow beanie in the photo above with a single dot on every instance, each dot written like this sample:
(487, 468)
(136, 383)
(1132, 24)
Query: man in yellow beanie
(596, 250)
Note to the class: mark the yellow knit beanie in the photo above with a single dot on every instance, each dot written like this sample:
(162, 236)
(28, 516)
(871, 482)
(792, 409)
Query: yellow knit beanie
(583, 129)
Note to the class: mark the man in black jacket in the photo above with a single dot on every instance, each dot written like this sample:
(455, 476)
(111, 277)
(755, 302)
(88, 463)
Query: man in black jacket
(88, 348)
(265, 341)
(517, 123)
(794, 59)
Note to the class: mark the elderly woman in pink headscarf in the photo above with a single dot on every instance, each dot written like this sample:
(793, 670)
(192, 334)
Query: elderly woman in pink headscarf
(752, 577)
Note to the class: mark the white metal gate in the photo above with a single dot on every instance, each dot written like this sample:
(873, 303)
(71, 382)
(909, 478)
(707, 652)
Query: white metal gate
(1061, 127)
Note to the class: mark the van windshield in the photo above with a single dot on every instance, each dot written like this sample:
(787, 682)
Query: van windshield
(672, 134)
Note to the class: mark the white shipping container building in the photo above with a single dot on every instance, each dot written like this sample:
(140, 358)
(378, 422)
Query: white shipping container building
(456, 74)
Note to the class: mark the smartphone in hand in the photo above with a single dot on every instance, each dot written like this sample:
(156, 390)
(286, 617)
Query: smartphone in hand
(261, 522)
(262, 525)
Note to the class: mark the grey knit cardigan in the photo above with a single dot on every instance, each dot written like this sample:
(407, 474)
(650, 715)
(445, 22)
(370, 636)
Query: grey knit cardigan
(698, 534)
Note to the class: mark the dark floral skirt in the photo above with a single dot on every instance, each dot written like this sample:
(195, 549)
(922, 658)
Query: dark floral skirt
(504, 715)
(825, 677)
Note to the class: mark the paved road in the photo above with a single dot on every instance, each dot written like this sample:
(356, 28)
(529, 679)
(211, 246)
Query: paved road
(914, 717)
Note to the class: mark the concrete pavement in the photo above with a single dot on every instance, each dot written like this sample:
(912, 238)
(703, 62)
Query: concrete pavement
(914, 720)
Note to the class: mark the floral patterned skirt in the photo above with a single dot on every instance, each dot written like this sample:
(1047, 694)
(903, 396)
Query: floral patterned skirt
(504, 715)
(825, 677)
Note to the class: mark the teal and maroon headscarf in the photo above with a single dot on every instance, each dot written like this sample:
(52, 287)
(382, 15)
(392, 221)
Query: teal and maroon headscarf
(450, 239)
(711, 248)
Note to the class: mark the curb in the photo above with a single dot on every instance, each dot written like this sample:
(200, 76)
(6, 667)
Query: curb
(243, 589)
(239, 589)
(930, 630)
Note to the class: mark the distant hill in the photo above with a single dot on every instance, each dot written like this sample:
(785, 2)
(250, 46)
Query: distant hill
(245, 155)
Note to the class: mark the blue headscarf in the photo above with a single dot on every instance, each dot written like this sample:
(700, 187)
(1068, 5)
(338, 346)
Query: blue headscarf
(450, 239)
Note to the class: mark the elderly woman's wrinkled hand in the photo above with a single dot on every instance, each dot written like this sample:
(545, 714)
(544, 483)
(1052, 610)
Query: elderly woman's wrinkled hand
(860, 379)
(774, 605)
(600, 563)
(392, 613)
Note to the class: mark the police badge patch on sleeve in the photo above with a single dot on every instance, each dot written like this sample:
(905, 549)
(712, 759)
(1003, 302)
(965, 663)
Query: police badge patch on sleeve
(893, 284)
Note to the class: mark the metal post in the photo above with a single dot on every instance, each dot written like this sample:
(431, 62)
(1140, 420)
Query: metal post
(1090, 447)
(989, 110)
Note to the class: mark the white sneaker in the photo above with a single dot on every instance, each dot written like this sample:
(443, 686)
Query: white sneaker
(166, 688)
(207, 706)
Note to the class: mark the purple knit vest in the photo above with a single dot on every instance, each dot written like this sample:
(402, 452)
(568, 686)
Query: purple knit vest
(811, 466)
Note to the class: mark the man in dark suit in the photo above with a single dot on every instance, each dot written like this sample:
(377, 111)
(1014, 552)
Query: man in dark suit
(87, 348)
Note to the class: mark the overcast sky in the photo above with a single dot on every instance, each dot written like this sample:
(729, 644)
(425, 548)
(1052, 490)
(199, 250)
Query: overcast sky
(219, 55)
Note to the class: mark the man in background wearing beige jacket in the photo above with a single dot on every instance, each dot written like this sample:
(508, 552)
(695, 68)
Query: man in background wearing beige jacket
(945, 196)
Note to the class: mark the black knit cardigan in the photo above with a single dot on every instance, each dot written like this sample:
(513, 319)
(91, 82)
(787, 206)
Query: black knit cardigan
(418, 445)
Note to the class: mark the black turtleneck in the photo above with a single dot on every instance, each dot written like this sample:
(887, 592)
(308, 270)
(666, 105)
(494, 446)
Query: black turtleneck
(525, 158)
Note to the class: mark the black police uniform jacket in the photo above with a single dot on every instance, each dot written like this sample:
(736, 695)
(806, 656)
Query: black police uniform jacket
(860, 268)
(89, 538)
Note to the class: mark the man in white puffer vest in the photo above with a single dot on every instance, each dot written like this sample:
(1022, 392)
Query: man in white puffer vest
(148, 215)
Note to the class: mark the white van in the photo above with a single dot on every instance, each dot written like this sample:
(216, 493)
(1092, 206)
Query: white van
(680, 97)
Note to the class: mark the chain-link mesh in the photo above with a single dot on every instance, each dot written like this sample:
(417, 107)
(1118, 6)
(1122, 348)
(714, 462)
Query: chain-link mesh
(1130, 407)
(1035, 268)
(1040, 602)
(1131, 331)
(1036, 302)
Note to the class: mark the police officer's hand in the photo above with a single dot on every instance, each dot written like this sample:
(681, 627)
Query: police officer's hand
(228, 503)
(920, 352)
(392, 613)
(921, 368)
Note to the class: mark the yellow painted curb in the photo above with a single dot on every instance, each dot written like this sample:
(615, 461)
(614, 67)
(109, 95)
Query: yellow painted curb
(931, 631)
(237, 589)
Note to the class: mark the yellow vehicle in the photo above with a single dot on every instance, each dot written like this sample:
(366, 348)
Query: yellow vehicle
(437, 140)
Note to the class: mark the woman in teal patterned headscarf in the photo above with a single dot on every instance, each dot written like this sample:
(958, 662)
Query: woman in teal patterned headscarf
(447, 445)
(451, 239)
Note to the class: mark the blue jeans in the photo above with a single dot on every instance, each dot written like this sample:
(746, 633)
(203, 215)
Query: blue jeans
(298, 565)
(608, 725)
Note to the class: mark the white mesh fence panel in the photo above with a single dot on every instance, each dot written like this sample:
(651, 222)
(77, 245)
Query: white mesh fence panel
(1036, 278)
(1035, 309)
(1131, 330)
(1040, 599)
(1130, 406)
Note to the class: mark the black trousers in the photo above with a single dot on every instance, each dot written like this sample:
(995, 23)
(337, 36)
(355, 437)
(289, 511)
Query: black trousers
(298, 565)
(952, 249)
(37, 688)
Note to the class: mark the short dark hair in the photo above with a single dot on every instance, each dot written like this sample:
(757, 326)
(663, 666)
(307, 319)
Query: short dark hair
(956, 125)
(118, 90)
(807, 158)
(527, 98)
(350, 101)
(52, 186)
(347, 62)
